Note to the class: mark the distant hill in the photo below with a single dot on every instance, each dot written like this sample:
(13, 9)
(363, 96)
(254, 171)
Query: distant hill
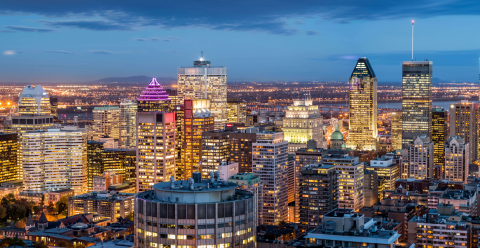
(136, 80)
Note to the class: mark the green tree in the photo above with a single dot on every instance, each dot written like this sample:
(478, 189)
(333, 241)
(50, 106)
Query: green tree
(62, 205)
(40, 244)
(7, 242)
(16, 212)
(3, 212)
(11, 198)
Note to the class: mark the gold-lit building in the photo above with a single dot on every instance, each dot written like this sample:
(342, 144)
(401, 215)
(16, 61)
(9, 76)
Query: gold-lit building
(215, 151)
(128, 115)
(302, 123)
(396, 130)
(386, 168)
(416, 100)
(156, 153)
(236, 111)
(197, 119)
(106, 122)
(202, 81)
(363, 133)
(34, 101)
(10, 170)
(464, 123)
(456, 167)
(439, 130)
(94, 161)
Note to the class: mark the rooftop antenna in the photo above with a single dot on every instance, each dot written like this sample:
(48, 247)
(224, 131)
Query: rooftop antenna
(413, 25)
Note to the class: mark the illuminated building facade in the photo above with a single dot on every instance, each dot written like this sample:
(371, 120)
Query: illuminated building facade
(94, 161)
(396, 130)
(196, 121)
(456, 160)
(55, 159)
(463, 123)
(236, 111)
(439, 130)
(386, 168)
(202, 81)
(54, 108)
(270, 161)
(215, 151)
(128, 122)
(241, 143)
(350, 173)
(253, 184)
(113, 206)
(302, 123)
(106, 122)
(153, 98)
(156, 154)
(8, 158)
(34, 101)
(121, 161)
(370, 188)
(420, 157)
(362, 133)
(416, 100)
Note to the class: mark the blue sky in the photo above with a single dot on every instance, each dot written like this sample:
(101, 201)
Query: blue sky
(266, 40)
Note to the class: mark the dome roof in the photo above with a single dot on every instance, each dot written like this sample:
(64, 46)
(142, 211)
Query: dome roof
(337, 135)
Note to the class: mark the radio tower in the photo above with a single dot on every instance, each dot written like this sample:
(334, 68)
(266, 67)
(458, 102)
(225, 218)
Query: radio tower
(413, 25)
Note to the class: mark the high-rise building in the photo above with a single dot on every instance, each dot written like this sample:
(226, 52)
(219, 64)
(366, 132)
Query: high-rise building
(55, 159)
(270, 160)
(420, 157)
(128, 122)
(416, 100)
(396, 130)
(362, 132)
(121, 162)
(456, 159)
(253, 184)
(94, 161)
(463, 123)
(350, 179)
(302, 123)
(241, 143)
(439, 130)
(370, 188)
(215, 147)
(153, 98)
(27, 123)
(387, 168)
(197, 120)
(8, 158)
(319, 194)
(236, 111)
(54, 107)
(218, 215)
(34, 101)
(106, 122)
(202, 81)
(156, 152)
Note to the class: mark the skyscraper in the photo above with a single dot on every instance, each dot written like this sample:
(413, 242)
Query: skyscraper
(106, 121)
(270, 160)
(416, 100)
(215, 151)
(396, 131)
(362, 133)
(463, 123)
(236, 111)
(456, 160)
(202, 81)
(54, 107)
(153, 98)
(241, 142)
(8, 158)
(156, 152)
(34, 101)
(420, 157)
(439, 130)
(128, 122)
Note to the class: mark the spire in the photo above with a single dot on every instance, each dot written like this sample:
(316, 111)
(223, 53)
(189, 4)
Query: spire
(153, 92)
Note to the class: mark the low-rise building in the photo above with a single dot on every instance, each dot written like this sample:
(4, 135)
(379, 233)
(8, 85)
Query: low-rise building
(104, 204)
(101, 183)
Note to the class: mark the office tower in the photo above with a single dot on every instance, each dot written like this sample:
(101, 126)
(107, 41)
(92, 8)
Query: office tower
(336, 140)
(113, 206)
(121, 162)
(153, 98)
(463, 123)
(420, 157)
(291, 176)
(156, 153)
(219, 215)
(362, 132)
(8, 158)
(319, 195)
(350, 179)
(174, 97)
(236, 111)
(387, 169)
(396, 130)
(253, 184)
(215, 147)
(302, 123)
(370, 188)
(54, 107)
(94, 161)
(197, 119)
(416, 100)
(456, 159)
(106, 122)
(34, 101)
(128, 115)
(270, 161)
(55, 159)
(28, 123)
(439, 129)
(241, 143)
(202, 81)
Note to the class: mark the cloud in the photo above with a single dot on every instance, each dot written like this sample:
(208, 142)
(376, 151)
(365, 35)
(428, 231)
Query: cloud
(59, 51)
(101, 52)
(311, 32)
(140, 39)
(96, 25)
(29, 29)
(169, 38)
(9, 52)
(248, 15)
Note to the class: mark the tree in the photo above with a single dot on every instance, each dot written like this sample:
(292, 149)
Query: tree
(8, 242)
(42, 203)
(130, 216)
(62, 205)
(40, 244)
(3, 212)
(16, 212)
(11, 198)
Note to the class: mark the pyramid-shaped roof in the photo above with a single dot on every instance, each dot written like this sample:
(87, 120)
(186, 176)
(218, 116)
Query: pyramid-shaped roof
(153, 92)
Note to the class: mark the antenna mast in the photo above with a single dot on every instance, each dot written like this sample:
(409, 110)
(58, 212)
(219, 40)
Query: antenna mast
(413, 25)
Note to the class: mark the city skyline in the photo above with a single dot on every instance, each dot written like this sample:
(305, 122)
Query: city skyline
(95, 39)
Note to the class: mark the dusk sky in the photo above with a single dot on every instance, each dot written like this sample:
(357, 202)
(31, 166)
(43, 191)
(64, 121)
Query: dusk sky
(260, 40)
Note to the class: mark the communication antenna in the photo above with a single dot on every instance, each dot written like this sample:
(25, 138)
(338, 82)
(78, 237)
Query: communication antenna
(413, 25)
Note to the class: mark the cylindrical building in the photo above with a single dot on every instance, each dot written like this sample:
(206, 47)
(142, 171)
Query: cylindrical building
(202, 214)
